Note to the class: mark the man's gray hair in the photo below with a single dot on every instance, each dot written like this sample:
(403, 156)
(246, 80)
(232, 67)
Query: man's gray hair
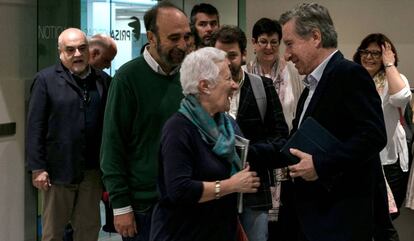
(200, 65)
(311, 16)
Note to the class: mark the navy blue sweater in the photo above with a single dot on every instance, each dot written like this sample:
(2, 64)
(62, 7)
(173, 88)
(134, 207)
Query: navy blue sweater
(185, 162)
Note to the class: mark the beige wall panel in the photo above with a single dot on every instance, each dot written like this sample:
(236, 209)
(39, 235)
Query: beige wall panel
(353, 20)
(17, 65)
(227, 9)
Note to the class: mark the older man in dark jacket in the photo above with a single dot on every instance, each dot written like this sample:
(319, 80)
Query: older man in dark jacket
(64, 129)
(333, 192)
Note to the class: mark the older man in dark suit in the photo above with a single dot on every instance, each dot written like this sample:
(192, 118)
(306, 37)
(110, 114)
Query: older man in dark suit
(64, 128)
(333, 192)
(258, 112)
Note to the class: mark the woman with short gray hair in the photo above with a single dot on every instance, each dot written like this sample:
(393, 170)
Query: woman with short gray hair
(200, 172)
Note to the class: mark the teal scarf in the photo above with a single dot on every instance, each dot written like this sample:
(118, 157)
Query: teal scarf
(217, 132)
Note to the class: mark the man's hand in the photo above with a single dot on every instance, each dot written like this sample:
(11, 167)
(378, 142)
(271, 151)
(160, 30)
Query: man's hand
(305, 168)
(40, 180)
(125, 224)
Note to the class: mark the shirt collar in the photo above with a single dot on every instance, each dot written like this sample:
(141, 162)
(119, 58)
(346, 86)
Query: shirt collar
(83, 76)
(313, 78)
(241, 82)
(155, 66)
(242, 79)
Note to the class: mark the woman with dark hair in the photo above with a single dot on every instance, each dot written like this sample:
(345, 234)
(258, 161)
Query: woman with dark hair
(379, 57)
(266, 37)
(377, 54)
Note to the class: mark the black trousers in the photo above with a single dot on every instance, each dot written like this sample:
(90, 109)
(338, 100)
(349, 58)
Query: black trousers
(383, 227)
(286, 228)
(397, 180)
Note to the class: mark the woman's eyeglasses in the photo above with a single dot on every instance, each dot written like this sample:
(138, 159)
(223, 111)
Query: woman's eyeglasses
(274, 43)
(374, 54)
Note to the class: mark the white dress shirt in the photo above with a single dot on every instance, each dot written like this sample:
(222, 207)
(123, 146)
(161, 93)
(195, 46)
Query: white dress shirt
(396, 142)
(235, 100)
(155, 66)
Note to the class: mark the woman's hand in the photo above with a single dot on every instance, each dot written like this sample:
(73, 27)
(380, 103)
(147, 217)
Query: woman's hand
(388, 57)
(245, 181)
(395, 82)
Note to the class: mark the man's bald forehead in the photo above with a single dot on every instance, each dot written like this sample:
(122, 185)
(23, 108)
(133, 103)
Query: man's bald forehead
(169, 14)
(151, 16)
(70, 32)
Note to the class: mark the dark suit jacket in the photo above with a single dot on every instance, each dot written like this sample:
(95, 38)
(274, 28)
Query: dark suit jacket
(55, 139)
(338, 206)
(266, 137)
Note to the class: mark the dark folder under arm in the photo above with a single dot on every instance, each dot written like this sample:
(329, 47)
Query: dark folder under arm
(311, 138)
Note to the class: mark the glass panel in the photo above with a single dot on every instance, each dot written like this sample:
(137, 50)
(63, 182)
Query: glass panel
(120, 19)
(53, 17)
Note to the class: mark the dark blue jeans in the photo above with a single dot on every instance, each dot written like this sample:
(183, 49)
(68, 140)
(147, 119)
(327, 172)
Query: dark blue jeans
(143, 221)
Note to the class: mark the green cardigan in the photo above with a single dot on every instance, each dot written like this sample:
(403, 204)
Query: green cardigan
(139, 102)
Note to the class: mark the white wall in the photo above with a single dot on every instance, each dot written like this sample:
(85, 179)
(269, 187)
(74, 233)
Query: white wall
(353, 19)
(227, 9)
(17, 66)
